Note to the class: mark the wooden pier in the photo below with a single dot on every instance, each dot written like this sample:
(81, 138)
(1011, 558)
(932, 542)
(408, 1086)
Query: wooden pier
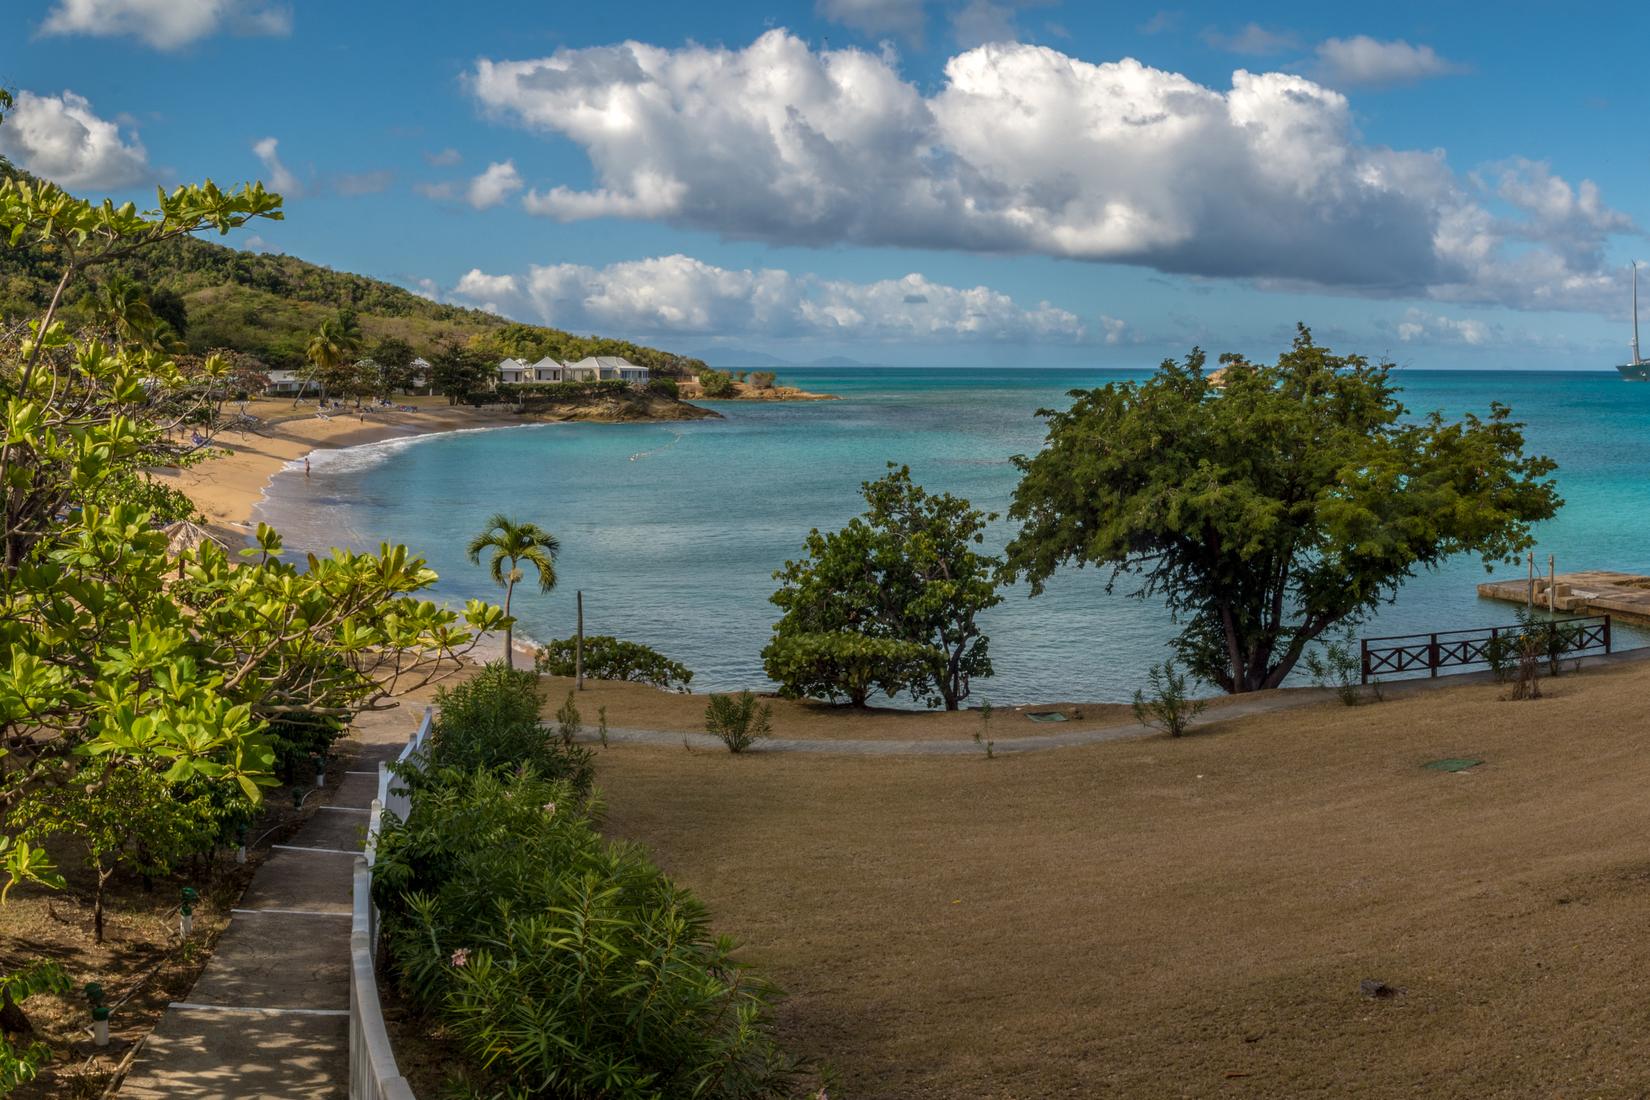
(1591, 592)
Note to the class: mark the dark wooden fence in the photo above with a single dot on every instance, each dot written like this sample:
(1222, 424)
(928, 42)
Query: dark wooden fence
(1402, 653)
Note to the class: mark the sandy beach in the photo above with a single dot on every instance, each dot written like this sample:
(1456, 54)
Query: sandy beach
(227, 487)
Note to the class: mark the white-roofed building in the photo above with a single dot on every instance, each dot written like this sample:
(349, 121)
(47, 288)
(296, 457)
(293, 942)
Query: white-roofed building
(514, 370)
(547, 370)
(605, 368)
(418, 373)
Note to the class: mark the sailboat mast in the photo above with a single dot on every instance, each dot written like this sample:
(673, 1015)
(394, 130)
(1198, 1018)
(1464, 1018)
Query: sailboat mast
(1636, 358)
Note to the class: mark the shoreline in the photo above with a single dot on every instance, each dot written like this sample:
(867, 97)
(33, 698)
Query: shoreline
(228, 487)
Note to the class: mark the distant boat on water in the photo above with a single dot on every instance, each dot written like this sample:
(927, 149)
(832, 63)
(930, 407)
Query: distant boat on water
(1639, 369)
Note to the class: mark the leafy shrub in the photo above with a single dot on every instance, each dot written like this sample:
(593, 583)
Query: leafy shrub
(715, 383)
(762, 379)
(569, 722)
(1338, 667)
(491, 722)
(561, 964)
(841, 664)
(21, 1063)
(1168, 707)
(738, 720)
(664, 387)
(560, 391)
(1501, 654)
(610, 658)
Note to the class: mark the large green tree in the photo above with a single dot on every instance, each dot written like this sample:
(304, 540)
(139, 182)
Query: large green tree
(906, 575)
(1287, 499)
(135, 674)
(510, 546)
(457, 372)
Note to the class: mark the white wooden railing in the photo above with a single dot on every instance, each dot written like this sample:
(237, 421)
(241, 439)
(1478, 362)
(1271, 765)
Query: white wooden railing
(372, 1071)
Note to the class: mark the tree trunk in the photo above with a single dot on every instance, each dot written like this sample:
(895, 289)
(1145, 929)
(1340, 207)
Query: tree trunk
(97, 903)
(13, 1021)
(509, 628)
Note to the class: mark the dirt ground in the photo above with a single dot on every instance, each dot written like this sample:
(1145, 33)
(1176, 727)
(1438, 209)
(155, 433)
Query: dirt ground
(1194, 917)
(142, 963)
(637, 706)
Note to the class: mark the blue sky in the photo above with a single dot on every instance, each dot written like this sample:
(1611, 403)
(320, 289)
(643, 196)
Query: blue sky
(979, 182)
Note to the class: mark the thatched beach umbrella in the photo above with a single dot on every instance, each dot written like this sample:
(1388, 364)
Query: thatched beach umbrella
(187, 535)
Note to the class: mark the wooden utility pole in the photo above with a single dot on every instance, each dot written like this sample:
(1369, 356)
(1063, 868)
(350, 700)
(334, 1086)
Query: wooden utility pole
(578, 646)
(1529, 592)
(1552, 585)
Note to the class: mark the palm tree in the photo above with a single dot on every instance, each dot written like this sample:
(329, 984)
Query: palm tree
(334, 342)
(325, 353)
(516, 543)
(124, 304)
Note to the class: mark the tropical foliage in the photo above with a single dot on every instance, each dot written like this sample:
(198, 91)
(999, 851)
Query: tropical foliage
(610, 658)
(491, 721)
(738, 721)
(140, 683)
(892, 601)
(512, 544)
(562, 964)
(1292, 498)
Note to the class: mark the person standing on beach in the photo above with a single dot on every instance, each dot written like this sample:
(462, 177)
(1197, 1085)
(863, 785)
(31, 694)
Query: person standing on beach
(306, 466)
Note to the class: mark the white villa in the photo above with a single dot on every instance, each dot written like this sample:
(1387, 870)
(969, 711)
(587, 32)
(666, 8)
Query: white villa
(596, 368)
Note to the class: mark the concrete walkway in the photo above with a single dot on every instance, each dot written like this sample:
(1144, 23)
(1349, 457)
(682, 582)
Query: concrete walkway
(1263, 703)
(269, 1016)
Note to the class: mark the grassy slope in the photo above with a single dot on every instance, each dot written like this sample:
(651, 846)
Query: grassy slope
(268, 305)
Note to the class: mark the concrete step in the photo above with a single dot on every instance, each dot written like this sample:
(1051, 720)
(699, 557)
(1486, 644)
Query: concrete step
(318, 881)
(278, 960)
(202, 1054)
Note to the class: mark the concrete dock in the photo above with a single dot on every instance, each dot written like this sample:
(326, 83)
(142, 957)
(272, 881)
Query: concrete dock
(1590, 592)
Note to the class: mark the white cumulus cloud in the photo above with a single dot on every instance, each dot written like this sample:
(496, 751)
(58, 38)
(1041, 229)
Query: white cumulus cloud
(493, 186)
(167, 24)
(60, 138)
(1365, 61)
(1022, 148)
(280, 178)
(681, 295)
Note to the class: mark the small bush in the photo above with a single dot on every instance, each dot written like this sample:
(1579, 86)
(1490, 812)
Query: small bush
(1501, 654)
(762, 380)
(738, 720)
(664, 387)
(491, 722)
(1167, 707)
(1340, 668)
(715, 383)
(609, 658)
(569, 723)
(561, 964)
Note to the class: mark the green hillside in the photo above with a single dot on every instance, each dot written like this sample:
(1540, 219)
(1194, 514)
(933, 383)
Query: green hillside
(269, 305)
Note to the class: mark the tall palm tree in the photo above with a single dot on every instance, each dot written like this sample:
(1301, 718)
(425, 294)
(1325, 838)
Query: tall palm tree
(516, 543)
(124, 304)
(325, 353)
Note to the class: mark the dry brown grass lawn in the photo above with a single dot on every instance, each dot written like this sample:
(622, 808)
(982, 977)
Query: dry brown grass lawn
(1193, 918)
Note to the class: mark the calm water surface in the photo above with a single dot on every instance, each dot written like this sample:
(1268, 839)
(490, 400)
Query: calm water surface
(673, 531)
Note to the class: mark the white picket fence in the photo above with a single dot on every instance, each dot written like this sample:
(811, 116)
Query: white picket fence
(372, 1071)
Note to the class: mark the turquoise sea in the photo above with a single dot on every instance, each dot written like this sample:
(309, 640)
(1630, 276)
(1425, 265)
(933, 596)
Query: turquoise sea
(673, 531)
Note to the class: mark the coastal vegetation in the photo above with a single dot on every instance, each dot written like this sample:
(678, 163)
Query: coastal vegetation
(513, 544)
(891, 602)
(738, 721)
(559, 963)
(150, 691)
(269, 306)
(1294, 498)
(610, 658)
